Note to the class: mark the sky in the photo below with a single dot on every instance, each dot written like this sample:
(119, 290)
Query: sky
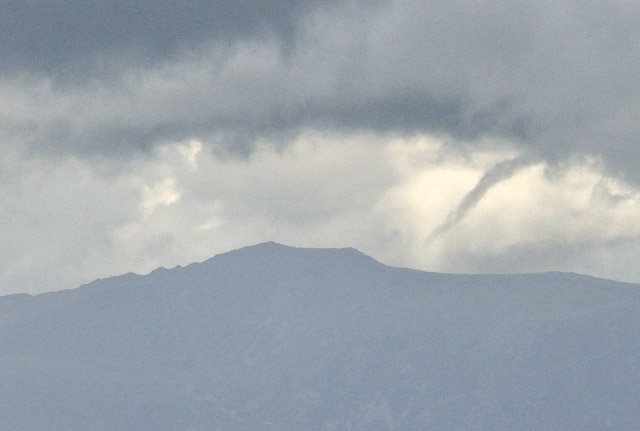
(467, 136)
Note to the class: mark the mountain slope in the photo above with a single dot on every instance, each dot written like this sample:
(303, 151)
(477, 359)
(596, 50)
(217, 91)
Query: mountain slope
(278, 338)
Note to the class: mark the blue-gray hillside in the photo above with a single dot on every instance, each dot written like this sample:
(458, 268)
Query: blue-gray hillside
(278, 338)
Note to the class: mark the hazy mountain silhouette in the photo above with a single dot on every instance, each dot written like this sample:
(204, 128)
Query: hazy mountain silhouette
(271, 337)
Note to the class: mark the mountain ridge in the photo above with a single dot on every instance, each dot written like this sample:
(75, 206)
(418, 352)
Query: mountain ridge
(279, 338)
(260, 252)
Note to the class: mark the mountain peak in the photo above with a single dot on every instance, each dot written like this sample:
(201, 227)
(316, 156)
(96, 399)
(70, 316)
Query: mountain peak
(272, 253)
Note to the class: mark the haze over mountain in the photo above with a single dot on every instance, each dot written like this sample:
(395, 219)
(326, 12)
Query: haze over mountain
(271, 337)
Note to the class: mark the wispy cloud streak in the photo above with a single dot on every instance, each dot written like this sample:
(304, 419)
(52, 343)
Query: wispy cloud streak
(498, 173)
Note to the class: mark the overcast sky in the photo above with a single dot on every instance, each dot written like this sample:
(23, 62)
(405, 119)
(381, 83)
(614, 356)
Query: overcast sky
(458, 135)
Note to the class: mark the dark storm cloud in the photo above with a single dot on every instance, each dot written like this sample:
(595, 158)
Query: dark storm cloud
(62, 36)
(558, 78)
(414, 113)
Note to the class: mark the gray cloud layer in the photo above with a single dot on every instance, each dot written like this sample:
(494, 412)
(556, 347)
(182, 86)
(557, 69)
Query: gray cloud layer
(558, 78)
(65, 37)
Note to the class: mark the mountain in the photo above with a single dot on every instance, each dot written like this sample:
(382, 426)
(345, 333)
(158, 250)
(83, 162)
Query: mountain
(271, 337)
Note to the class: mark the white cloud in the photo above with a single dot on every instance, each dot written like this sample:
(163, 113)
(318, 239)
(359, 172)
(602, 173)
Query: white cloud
(73, 221)
(541, 218)
(160, 193)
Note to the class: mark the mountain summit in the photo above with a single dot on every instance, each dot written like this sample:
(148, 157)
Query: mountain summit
(271, 337)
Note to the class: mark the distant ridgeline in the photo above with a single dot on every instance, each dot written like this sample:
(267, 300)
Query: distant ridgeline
(271, 337)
